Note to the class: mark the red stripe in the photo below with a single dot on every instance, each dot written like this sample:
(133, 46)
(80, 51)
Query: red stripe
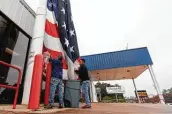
(51, 29)
(55, 54)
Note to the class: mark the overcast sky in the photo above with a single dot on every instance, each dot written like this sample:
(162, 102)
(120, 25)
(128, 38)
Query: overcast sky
(108, 25)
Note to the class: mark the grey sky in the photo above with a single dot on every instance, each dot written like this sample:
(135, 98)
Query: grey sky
(108, 25)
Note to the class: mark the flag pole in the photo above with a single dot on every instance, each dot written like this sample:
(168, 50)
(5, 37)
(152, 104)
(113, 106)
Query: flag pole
(35, 47)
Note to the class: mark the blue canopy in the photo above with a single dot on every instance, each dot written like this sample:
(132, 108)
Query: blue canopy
(124, 64)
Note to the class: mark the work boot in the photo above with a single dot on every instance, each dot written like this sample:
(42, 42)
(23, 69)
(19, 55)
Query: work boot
(60, 105)
(86, 106)
(49, 106)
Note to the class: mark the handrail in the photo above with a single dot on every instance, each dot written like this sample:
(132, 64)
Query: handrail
(18, 82)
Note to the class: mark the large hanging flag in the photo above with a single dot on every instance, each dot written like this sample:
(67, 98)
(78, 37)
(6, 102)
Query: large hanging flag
(60, 36)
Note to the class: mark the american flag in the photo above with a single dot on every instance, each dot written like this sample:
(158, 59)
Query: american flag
(60, 36)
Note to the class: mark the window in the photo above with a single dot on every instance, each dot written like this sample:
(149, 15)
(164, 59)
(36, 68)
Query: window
(13, 50)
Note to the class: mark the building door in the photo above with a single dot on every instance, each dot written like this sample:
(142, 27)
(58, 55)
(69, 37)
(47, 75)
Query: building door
(13, 50)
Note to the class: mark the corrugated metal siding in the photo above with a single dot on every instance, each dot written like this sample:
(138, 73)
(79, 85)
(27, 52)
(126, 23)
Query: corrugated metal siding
(18, 13)
(118, 59)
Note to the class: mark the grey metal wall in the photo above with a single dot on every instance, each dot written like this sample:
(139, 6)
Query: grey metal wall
(20, 13)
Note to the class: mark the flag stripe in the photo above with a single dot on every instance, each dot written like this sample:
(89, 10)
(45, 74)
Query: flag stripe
(71, 67)
(65, 75)
(52, 29)
(50, 17)
(52, 43)
(55, 54)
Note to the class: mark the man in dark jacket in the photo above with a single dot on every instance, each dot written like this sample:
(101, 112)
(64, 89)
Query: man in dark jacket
(84, 77)
(56, 82)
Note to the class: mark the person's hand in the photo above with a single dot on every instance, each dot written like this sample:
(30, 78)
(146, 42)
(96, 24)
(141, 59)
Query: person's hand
(49, 58)
(60, 57)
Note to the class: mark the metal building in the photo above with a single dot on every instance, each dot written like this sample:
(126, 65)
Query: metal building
(16, 27)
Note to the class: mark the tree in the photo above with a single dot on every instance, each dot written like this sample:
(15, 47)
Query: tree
(170, 90)
(103, 86)
(167, 93)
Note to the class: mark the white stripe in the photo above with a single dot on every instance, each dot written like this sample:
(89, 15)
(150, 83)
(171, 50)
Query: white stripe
(51, 17)
(76, 66)
(55, 45)
(52, 43)
(65, 76)
(71, 69)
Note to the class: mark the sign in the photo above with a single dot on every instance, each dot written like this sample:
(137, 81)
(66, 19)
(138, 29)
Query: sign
(142, 93)
(98, 90)
(113, 90)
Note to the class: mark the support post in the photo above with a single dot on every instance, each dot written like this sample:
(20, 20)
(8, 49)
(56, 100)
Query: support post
(156, 85)
(47, 84)
(35, 48)
(93, 93)
(116, 95)
(136, 91)
(35, 91)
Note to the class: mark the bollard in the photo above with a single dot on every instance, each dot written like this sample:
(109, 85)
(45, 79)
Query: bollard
(35, 92)
(47, 84)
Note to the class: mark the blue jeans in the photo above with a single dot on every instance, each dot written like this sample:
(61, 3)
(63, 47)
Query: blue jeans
(85, 91)
(56, 83)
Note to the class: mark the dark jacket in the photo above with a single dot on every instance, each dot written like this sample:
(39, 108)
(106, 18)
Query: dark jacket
(57, 69)
(83, 73)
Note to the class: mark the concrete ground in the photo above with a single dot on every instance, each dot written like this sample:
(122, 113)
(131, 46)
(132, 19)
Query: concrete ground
(97, 108)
